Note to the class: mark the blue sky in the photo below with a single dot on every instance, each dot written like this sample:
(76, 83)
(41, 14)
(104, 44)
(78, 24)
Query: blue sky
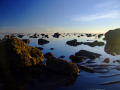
(59, 15)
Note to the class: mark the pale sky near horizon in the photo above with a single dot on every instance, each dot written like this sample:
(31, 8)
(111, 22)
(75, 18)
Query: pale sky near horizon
(92, 16)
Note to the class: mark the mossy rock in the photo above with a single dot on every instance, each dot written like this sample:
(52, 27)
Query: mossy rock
(18, 54)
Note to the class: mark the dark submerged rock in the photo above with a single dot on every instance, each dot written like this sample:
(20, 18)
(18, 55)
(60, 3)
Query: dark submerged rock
(92, 44)
(42, 41)
(77, 59)
(86, 68)
(87, 54)
(112, 38)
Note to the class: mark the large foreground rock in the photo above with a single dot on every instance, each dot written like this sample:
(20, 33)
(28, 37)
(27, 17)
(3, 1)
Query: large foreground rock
(112, 38)
(15, 53)
(61, 66)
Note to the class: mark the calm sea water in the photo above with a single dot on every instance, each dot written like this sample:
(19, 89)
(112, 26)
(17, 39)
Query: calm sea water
(85, 80)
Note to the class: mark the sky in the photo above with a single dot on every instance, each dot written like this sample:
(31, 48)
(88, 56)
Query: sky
(83, 16)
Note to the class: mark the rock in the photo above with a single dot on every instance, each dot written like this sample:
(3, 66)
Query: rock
(107, 60)
(20, 35)
(48, 55)
(100, 35)
(87, 54)
(46, 36)
(85, 68)
(73, 42)
(40, 48)
(42, 41)
(9, 36)
(89, 35)
(61, 66)
(56, 35)
(51, 48)
(77, 59)
(26, 41)
(34, 36)
(92, 44)
(112, 38)
(18, 54)
(62, 57)
(116, 61)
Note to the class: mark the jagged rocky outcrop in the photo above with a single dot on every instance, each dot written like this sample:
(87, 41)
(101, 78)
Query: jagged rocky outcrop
(112, 38)
(16, 53)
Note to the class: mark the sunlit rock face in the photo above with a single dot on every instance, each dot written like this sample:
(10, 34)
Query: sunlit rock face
(18, 54)
(113, 42)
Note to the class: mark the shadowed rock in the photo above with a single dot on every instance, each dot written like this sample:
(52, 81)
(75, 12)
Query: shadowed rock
(112, 38)
(20, 35)
(61, 66)
(100, 35)
(77, 59)
(34, 36)
(87, 54)
(26, 41)
(92, 44)
(73, 42)
(42, 41)
(56, 35)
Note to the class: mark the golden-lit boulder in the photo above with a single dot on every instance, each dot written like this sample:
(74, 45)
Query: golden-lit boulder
(16, 53)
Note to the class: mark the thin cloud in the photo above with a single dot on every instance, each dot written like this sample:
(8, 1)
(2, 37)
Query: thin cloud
(109, 15)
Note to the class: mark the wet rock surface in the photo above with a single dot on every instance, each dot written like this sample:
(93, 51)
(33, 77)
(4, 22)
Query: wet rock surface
(77, 59)
(61, 66)
(92, 44)
(112, 38)
(87, 54)
(42, 41)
